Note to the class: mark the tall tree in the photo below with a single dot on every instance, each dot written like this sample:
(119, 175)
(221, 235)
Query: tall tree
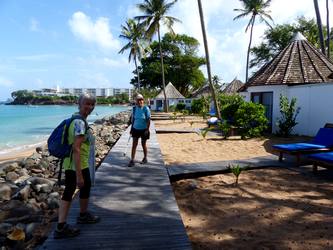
(328, 29)
(133, 33)
(320, 28)
(155, 13)
(254, 8)
(202, 21)
(181, 64)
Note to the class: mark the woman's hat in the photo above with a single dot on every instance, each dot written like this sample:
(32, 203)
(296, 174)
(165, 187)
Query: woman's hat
(139, 97)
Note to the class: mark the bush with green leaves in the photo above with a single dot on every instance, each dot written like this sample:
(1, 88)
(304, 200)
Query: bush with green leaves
(199, 105)
(225, 128)
(229, 106)
(172, 108)
(236, 170)
(289, 113)
(250, 118)
(180, 106)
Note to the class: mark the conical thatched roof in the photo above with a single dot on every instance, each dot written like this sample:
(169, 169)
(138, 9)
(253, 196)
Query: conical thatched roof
(298, 64)
(233, 87)
(203, 91)
(171, 93)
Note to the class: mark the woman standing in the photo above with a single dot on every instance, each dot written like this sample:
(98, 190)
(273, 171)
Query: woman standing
(77, 170)
(140, 128)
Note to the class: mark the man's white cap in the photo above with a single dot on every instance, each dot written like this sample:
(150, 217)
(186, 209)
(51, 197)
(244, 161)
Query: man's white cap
(139, 96)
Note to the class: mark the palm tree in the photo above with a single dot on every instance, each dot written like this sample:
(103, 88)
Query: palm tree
(254, 8)
(320, 28)
(328, 29)
(134, 34)
(155, 12)
(202, 21)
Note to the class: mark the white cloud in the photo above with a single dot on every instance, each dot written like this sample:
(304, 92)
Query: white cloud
(97, 32)
(34, 25)
(4, 82)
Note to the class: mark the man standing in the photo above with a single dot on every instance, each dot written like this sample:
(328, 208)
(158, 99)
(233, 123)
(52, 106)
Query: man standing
(140, 128)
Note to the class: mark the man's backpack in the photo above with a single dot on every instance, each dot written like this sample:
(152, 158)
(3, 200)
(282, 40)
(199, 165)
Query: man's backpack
(57, 143)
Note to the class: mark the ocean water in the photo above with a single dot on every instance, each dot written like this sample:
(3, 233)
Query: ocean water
(23, 126)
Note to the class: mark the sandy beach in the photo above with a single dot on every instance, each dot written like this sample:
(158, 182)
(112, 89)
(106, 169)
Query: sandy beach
(271, 208)
(16, 155)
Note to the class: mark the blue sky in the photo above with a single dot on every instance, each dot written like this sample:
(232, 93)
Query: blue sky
(75, 43)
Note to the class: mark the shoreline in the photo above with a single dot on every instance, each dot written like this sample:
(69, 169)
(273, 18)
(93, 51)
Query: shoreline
(19, 152)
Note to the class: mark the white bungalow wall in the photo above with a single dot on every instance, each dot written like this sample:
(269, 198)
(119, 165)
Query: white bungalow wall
(315, 101)
(173, 102)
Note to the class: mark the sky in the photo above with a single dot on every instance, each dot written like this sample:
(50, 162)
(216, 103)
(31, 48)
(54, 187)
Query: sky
(75, 43)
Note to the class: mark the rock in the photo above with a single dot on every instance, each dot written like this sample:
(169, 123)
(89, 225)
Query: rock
(5, 192)
(41, 197)
(39, 150)
(53, 200)
(5, 228)
(33, 204)
(25, 192)
(12, 176)
(23, 172)
(11, 167)
(16, 235)
(29, 163)
(36, 171)
(30, 228)
(22, 179)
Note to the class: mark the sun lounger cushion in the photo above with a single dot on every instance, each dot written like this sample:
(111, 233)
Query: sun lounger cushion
(298, 146)
(324, 157)
(323, 139)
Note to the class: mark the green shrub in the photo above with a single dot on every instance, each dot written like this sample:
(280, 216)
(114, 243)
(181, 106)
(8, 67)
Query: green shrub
(289, 113)
(180, 106)
(198, 105)
(172, 108)
(229, 106)
(225, 128)
(236, 170)
(250, 118)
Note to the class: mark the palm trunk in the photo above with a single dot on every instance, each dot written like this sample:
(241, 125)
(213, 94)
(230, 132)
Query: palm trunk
(217, 109)
(137, 72)
(166, 108)
(320, 28)
(328, 29)
(248, 51)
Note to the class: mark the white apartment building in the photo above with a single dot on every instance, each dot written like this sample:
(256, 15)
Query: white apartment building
(99, 92)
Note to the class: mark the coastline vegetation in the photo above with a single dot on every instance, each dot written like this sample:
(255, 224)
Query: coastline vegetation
(25, 97)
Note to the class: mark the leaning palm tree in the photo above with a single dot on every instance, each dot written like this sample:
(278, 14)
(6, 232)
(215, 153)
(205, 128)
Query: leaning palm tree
(254, 8)
(134, 34)
(217, 109)
(155, 13)
(320, 28)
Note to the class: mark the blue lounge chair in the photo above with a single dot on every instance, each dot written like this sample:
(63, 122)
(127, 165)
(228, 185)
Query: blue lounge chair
(322, 142)
(321, 159)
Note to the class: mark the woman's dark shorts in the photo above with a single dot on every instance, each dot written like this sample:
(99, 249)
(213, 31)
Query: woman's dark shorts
(70, 185)
(140, 133)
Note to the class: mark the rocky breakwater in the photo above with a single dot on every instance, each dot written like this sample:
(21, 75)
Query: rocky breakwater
(30, 194)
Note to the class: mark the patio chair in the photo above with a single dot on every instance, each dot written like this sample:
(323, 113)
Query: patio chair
(321, 159)
(322, 142)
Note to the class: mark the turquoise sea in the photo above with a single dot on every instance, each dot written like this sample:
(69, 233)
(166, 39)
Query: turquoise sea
(24, 126)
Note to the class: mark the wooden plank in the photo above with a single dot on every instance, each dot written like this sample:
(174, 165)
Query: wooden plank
(137, 206)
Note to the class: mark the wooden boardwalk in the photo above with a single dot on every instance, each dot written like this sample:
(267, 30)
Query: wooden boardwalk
(137, 206)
